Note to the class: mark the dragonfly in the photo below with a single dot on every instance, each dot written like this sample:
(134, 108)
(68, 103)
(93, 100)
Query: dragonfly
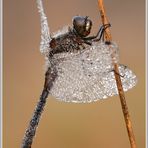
(80, 68)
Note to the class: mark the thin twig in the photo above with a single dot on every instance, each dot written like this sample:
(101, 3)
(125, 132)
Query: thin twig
(118, 80)
(49, 78)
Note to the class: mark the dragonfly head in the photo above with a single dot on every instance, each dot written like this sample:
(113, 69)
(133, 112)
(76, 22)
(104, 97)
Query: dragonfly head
(82, 25)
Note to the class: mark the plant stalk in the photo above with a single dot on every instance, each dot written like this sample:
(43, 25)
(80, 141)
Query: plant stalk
(108, 38)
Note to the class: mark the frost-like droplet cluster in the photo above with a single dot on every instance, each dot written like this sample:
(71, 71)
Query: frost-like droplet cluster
(45, 34)
(87, 75)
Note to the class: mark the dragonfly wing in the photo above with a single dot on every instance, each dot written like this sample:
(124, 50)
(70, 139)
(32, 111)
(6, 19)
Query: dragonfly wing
(88, 75)
(128, 79)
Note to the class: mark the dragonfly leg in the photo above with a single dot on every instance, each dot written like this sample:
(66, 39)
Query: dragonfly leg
(117, 73)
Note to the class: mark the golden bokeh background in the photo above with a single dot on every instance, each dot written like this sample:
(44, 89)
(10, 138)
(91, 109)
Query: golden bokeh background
(66, 125)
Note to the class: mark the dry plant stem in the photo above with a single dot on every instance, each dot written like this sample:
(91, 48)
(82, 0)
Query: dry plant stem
(118, 80)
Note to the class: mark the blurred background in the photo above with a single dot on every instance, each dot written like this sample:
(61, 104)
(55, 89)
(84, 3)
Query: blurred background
(66, 125)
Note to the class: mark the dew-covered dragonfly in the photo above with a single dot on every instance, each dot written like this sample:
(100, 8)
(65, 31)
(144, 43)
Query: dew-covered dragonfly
(80, 67)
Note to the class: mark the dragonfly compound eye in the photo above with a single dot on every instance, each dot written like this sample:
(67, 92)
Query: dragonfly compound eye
(82, 25)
